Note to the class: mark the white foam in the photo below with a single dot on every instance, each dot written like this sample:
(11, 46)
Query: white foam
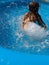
(35, 31)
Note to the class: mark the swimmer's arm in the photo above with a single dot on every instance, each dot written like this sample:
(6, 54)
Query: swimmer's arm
(40, 21)
(25, 19)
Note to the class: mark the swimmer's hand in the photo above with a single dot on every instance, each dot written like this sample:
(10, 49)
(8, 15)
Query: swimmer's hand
(23, 24)
(45, 26)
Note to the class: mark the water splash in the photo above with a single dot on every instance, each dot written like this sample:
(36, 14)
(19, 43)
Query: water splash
(33, 30)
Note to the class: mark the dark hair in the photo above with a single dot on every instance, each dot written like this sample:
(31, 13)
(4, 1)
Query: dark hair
(33, 6)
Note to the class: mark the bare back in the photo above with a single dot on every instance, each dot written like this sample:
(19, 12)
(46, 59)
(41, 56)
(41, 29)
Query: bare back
(29, 17)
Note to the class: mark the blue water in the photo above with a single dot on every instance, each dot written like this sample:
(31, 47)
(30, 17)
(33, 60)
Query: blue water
(9, 57)
(15, 46)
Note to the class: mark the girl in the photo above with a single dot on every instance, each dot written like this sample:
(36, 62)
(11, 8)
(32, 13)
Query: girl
(33, 15)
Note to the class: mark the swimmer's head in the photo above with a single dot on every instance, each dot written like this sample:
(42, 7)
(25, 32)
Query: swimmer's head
(33, 6)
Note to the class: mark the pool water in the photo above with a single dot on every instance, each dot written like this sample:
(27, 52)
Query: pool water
(11, 35)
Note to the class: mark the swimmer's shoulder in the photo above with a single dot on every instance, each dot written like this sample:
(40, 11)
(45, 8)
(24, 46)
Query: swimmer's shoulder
(26, 15)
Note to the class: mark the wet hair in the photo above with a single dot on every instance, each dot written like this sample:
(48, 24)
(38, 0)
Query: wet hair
(33, 6)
